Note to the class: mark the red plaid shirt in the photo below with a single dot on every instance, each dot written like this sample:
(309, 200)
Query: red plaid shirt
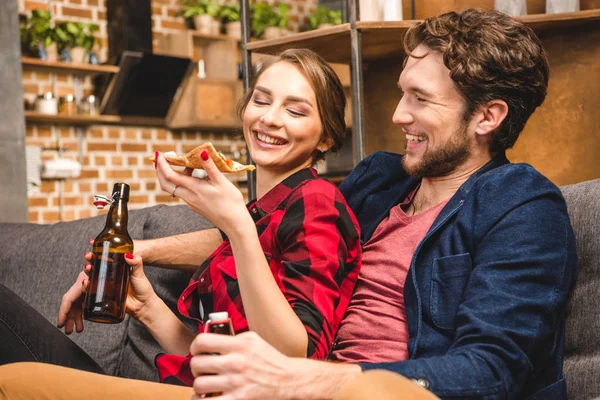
(311, 241)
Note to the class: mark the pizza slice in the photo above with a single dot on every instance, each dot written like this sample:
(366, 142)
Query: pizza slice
(192, 159)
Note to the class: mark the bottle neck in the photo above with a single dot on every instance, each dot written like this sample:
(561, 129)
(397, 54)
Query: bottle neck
(117, 216)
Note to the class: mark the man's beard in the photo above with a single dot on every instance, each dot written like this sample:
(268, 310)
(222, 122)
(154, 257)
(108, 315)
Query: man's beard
(444, 161)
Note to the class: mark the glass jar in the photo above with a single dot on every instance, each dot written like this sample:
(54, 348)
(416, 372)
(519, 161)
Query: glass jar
(46, 104)
(88, 106)
(66, 105)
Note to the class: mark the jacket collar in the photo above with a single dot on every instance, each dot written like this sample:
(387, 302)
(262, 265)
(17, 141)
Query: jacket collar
(458, 198)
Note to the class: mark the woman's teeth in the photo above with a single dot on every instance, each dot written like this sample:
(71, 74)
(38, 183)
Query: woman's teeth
(415, 138)
(269, 139)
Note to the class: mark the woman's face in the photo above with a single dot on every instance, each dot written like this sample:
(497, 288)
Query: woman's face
(281, 123)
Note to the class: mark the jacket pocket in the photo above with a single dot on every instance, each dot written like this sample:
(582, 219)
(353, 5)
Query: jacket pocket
(448, 282)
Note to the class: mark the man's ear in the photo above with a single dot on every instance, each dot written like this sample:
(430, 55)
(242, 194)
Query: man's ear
(491, 116)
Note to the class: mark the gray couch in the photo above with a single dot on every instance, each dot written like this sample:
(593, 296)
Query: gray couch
(39, 262)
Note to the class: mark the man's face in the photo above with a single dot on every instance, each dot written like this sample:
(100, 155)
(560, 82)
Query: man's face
(431, 114)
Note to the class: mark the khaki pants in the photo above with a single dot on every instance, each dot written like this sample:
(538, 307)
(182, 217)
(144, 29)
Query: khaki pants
(38, 381)
(383, 385)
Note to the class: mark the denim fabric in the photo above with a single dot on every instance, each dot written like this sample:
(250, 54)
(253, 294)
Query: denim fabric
(487, 288)
(27, 336)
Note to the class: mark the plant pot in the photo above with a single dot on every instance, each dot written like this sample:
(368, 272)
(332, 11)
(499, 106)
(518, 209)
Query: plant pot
(41, 53)
(78, 55)
(203, 24)
(234, 29)
(272, 32)
(52, 53)
(64, 55)
(215, 27)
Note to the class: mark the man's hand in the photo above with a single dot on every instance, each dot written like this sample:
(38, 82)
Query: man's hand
(249, 368)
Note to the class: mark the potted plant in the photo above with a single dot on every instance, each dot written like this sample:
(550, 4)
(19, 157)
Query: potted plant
(37, 36)
(324, 17)
(230, 16)
(75, 40)
(204, 14)
(269, 21)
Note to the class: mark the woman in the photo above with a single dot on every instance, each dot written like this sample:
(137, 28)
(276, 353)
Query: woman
(281, 259)
(294, 258)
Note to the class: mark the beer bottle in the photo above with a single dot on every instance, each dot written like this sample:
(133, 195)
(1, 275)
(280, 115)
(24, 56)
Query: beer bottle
(218, 322)
(109, 278)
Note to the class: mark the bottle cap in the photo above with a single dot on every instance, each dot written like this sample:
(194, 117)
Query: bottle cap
(218, 316)
(122, 191)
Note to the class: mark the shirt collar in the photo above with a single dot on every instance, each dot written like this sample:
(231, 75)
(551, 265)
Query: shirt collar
(271, 200)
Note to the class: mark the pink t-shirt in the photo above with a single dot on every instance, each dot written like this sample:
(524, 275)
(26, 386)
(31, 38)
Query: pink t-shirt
(374, 328)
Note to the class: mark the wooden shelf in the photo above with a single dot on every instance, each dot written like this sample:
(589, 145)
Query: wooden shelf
(332, 43)
(542, 22)
(69, 68)
(384, 39)
(32, 117)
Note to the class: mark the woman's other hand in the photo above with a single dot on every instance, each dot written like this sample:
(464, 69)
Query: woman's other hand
(70, 312)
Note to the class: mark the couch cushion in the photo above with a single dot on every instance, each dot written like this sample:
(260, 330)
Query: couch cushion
(582, 348)
(41, 262)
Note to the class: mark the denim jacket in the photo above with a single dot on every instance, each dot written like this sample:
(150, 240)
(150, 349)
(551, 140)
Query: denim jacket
(487, 287)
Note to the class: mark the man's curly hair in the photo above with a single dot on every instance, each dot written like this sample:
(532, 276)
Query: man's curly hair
(490, 56)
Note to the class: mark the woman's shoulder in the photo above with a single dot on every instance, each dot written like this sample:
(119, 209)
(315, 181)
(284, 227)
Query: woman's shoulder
(318, 188)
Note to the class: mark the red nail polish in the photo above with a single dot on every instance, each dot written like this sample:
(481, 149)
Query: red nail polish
(155, 158)
(204, 155)
(83, 282)
(129, 256)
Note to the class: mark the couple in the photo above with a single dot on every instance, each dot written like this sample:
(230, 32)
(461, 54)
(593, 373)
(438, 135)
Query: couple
(467, 260)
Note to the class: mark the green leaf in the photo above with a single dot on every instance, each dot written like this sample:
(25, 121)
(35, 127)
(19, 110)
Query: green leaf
(324, 15)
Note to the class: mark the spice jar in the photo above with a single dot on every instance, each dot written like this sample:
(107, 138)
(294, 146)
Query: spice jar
(66, 105)
(46, 104)
(88, 106)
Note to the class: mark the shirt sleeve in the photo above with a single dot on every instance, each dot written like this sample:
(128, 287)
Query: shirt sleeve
(321, 253)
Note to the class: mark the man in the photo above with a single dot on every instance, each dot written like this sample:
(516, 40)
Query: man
(481, 249)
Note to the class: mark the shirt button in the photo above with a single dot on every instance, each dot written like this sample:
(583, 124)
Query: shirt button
(201, 279)
(254, 211)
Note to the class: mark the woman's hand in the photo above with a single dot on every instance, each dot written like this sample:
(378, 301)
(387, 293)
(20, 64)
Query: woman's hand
(215, 197)
(140, 296)
(71, 306)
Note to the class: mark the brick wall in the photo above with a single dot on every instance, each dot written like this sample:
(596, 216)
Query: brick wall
(111, 154)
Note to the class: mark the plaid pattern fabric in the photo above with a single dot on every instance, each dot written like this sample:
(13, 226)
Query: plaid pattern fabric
(311, 242)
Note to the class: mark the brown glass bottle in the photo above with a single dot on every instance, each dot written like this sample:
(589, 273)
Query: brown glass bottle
(109, 278)
(218, 322)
